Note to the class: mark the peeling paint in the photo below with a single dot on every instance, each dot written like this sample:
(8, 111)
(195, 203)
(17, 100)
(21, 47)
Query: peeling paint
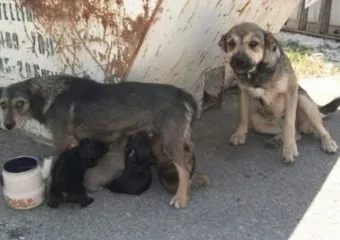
(218, 3)
(243, 8)
(202, 57)
(102, 28)
(183, 8)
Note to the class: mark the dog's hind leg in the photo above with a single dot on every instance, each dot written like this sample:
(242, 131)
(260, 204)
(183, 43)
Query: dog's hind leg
(180, 199)
(173, 139)
(312, 112)
(195, 174)
(303, 124)
(261, 125)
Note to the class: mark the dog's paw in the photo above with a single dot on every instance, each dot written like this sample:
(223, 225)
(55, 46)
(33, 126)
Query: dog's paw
(86, 201)
(238, 138)
(201, 178)
(52, 204)
(274, 142)
(289, 153)
(179, 201)
(329, 145)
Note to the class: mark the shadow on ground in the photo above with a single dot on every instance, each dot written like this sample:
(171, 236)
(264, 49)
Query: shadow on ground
(253, 195)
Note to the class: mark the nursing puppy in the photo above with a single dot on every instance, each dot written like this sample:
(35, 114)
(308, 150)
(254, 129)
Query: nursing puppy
(69, 170)
(264, 73)
(136, 177)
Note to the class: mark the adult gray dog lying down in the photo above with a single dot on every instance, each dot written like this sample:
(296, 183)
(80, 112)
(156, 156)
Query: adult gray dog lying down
(76, 108)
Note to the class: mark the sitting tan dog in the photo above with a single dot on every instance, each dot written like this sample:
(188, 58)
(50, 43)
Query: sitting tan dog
(264, 74)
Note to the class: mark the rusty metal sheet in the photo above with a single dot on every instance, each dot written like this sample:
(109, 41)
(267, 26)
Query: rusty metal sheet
(98, 38)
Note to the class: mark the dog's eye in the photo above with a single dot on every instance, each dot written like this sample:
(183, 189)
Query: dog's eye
(19, 104)
(231, 44)
(253, 44)
(3, 105)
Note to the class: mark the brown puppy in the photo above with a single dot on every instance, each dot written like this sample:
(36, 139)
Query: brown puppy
(264, 73)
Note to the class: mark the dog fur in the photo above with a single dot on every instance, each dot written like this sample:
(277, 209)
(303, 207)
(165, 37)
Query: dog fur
(264, 73)
(168, 175)
(136, 177)
(69, 170)
(76, 108)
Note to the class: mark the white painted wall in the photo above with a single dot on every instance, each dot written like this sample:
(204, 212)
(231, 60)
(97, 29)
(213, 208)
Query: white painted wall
(31, 46)
(181, 44)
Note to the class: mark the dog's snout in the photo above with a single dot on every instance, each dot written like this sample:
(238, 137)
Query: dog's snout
(9, 125)
(241, 61)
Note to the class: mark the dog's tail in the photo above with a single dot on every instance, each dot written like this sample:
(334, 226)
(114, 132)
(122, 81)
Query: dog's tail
(330, 107)
(325, 109)
(193, 105)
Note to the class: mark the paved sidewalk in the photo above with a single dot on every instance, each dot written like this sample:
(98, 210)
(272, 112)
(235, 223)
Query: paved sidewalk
(253, 195)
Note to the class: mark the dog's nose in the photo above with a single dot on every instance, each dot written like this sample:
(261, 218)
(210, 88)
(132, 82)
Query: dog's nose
(240, 61)
(9, 125)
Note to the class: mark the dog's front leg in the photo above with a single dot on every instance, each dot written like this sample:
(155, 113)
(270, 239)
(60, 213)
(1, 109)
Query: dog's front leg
(63, 138)
(289, 143)
(239, 137)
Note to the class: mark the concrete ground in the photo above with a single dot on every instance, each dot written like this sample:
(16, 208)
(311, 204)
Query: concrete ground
(252, 195)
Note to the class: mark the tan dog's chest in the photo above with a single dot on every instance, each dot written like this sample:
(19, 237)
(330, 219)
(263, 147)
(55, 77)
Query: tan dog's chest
(269, 103)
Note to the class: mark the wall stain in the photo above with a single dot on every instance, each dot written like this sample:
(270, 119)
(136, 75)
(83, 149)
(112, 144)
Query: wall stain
(243, 8)
(112, 48)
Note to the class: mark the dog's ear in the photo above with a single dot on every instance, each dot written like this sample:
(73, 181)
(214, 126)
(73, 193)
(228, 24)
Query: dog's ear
(223, 42)
(270, 41)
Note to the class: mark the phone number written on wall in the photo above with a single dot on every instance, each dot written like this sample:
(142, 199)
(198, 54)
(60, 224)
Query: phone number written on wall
(37, 44)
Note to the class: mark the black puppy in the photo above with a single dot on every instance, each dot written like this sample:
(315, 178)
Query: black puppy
(136, 177)
(68, 173)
